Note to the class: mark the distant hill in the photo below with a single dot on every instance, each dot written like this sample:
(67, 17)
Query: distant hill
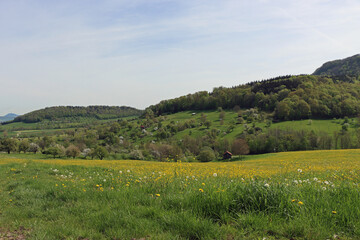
(349, 66)
(8, 117)
(65, 112)
(287, 98)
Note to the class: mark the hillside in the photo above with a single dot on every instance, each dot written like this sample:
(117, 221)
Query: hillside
(69, 112)
(8, 117)
(288, 113)
(349, 66)
(287, 98)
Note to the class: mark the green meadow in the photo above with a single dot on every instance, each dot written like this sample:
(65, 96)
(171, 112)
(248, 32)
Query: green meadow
(54, 199)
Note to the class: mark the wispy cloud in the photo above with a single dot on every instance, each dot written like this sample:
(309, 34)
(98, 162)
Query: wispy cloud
(141, 51)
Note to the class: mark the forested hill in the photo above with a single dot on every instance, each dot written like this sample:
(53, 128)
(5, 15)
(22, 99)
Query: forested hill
(62, 112)
(288, 97)
(348, 66)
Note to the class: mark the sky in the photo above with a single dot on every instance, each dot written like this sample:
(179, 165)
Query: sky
(139, 52)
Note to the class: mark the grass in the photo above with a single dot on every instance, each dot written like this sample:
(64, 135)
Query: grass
(328, 126)
(299, 195)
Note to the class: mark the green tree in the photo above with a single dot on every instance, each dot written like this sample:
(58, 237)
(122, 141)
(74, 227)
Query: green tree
(303, 109)
(207, 124)
(72, 151)
(282, 110)
(101, 152)
(55, 151)
(9, 145)
(24, 145)
(206, 155)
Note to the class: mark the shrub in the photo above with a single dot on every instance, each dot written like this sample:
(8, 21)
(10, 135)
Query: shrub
(206, 155)
(72, 151)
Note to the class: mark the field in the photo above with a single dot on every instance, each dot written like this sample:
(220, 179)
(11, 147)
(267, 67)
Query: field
(293, 195)
(328, 126)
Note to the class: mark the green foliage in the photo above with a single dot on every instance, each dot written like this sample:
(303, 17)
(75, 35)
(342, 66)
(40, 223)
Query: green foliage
(280, 207)
(100, 152)
(55, 151)
(206, 155)
(289, 97)
(345, 67)
(9, 145)
(72, 151)
(57, 113)
(24, 145)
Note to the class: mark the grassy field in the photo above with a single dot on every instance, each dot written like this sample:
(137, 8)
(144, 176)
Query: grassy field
(328, 126)
(294, 195)
(39, 129)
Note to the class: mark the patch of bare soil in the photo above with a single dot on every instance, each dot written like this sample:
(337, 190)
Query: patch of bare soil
(18, 234)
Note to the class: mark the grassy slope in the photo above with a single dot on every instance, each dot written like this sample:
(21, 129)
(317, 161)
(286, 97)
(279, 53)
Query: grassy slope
(45, 127)
(58, 200)
(327, 126)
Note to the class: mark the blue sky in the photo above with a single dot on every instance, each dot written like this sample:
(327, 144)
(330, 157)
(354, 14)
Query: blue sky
(138, 52)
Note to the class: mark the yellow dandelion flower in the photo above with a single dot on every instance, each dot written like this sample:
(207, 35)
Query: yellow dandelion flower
(300, 203)
(203, 184)
(333, 212)
(293, 200)
(201, 190)
(158, 195)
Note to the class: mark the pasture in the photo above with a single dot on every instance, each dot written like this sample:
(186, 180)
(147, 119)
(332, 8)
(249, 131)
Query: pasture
(293, 195)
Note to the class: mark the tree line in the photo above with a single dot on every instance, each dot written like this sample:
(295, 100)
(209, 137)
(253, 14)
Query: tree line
(288, 98)
(62, 112)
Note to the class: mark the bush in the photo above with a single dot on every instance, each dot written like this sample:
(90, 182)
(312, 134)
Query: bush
(55, 151)
(206, 155)
(100, 152)
(72, 151)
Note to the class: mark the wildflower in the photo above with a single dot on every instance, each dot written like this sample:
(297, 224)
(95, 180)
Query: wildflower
(201, 190)
(300, 203)
(333, 212)
(266, 185)
(203, 184)
(293, 200)
(128, 171)
(315, 179)
(120, 172)
(158, 195)
(215, 175)
(299, 170)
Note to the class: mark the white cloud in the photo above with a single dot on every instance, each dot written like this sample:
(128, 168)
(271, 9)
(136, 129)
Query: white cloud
(139, 52)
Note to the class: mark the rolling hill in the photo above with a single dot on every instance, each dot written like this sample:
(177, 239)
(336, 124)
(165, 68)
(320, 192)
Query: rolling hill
(8, 117)
(70, 112)
(349, 66)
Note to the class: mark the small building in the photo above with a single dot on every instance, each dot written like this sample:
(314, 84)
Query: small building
(227, 155)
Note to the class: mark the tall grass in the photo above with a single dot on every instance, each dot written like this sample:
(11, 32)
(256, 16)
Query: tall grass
(75, 202)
